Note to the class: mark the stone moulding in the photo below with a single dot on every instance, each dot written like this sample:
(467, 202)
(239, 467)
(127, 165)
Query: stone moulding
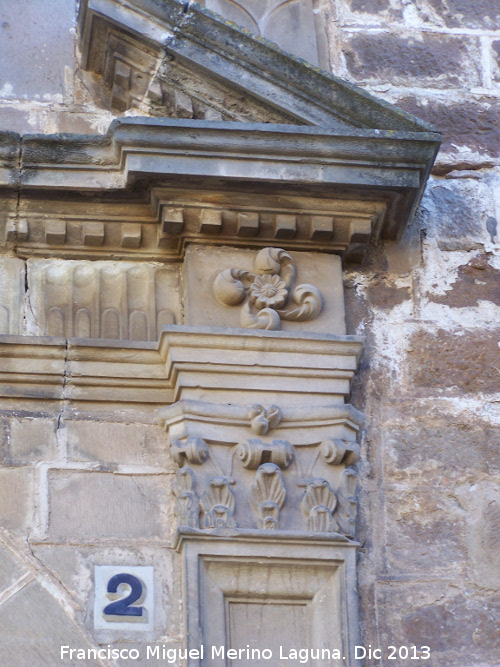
(389, 168)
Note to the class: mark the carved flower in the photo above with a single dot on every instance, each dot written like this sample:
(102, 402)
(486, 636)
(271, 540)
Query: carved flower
(268, 292)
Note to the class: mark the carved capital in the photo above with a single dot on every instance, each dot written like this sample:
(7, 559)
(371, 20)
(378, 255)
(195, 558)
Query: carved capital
(267, 495)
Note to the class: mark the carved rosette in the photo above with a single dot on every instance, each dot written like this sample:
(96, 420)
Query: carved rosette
(268, 295)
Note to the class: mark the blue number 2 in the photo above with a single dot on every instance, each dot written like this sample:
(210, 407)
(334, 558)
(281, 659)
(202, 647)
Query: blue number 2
(122, 606)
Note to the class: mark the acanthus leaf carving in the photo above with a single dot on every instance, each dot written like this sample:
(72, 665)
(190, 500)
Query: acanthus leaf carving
(193, 450)
(218, 504)
(253, 452)
(267, 495)
(263, 420)
(268, 294)
(318, 504)
(336, 451)
(187, 509)
(346, 509)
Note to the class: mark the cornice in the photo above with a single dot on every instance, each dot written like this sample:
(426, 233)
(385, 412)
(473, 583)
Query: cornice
(50, 368)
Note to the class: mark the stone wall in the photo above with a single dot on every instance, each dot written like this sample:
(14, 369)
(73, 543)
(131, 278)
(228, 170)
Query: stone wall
(429, 307)
(430, 311)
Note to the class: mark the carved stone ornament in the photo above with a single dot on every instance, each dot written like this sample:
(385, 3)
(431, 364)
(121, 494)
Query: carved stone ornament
(269, 294)
(218, 504)
(193, 449)
(187, 509)
(336, 451)
(253, 452)
(346, 511)
(268, 495)
(318, 505)
(262, 420)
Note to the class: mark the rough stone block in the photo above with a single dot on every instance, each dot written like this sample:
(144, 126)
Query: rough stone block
(16, 498)
(435, 441)
(479, 14)
(425, 530)
(495, 54)
(116, 443)
(470, 123)
(89, 505)
(30, 440)
(443, 59)
(460, 214)
(437, 614)
(465, 363)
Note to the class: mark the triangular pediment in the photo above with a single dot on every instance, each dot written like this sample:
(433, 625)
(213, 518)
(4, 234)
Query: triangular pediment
(171, 59)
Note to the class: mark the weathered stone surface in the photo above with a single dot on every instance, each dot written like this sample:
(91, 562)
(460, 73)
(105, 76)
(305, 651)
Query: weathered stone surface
(423, 526)
(29, 440)
(430, 443)
(381, 294)
(427, 61)
(115, 443)
(481, 501)
(45, 627)
(495, 52)
(89, 505)
(464, 14)
(436, 614)
(16, 499)
(459, 213)
(11, 570)
(476, 281)
(34, 56)
(468, 123)
(464, 362)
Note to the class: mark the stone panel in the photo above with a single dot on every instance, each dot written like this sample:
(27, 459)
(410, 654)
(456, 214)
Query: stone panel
(34, 627)
(116, 443)
(112, 300)
(16, 499)
(89, 505)
(11, 295)
(426, 61)
(465, 362)
(34, 54)
(11, 569)
(30, 440)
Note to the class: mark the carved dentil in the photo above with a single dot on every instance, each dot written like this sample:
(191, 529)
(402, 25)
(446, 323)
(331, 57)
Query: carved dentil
(268, 295)
(267, 495)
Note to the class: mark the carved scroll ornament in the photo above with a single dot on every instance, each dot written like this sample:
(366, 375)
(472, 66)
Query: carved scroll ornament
(268, 295)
